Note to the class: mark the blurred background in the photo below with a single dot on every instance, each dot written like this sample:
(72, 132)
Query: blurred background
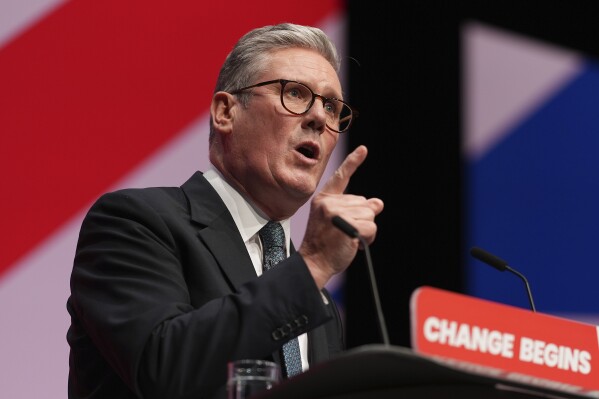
(481, 121)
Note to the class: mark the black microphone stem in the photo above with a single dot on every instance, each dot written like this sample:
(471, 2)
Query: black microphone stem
(502, 266)
(351, 231)
(517, 273)
(375, 293)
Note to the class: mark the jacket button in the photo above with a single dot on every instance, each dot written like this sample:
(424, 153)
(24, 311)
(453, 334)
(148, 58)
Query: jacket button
(278, 334)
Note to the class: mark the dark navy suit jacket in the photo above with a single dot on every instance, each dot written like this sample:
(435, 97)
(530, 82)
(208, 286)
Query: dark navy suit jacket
(164, 294)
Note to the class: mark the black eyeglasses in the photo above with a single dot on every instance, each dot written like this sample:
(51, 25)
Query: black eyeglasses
(297, 98)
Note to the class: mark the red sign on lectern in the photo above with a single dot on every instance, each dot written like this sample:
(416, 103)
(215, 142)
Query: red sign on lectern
(517, 344)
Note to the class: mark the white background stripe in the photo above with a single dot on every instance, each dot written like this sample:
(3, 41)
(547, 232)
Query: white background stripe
(17, 15)
(506, 76)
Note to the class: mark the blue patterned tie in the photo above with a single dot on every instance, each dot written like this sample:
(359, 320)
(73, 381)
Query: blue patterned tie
(273, 244)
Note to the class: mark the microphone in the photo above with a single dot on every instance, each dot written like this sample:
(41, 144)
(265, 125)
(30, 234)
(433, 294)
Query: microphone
(502, 266)
(345, 227)
(351, 231)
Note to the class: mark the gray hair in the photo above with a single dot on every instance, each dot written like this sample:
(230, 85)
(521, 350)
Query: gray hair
(251, 52)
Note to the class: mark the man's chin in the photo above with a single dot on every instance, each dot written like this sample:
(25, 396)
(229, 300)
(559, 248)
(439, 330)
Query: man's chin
(303, 192)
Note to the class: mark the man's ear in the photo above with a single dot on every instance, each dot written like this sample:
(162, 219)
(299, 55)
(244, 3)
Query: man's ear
(222, 111)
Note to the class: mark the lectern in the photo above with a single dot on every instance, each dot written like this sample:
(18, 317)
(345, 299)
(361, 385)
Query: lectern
(462, 347)
(391, 372)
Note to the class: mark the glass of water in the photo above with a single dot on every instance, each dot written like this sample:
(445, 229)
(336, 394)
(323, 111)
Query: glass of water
(249, 377)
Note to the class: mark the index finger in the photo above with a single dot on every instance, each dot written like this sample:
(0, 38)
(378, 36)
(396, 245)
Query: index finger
(338, 182)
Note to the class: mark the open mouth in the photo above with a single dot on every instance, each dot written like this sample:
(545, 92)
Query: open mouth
(309, 150)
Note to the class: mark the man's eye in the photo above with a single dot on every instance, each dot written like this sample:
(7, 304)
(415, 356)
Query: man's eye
(330, 108)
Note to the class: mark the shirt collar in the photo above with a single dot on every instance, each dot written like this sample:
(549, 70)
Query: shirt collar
(248, 218)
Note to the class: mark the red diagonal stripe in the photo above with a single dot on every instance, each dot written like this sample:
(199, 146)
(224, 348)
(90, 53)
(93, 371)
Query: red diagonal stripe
(97, 86)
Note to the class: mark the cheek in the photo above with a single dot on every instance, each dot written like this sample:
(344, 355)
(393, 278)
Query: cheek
(329, 141)
(269, 126)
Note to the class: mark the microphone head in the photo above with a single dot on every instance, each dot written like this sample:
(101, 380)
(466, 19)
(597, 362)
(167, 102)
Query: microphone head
(489, 259)
(344, 226)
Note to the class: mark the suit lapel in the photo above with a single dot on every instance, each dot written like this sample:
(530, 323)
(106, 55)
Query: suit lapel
(217, 230)
(230, 252)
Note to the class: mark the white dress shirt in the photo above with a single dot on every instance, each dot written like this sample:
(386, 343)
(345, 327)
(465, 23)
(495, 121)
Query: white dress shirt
(249, 220)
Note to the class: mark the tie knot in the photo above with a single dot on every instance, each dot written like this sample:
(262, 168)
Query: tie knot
(272, 235)
(273, 243)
